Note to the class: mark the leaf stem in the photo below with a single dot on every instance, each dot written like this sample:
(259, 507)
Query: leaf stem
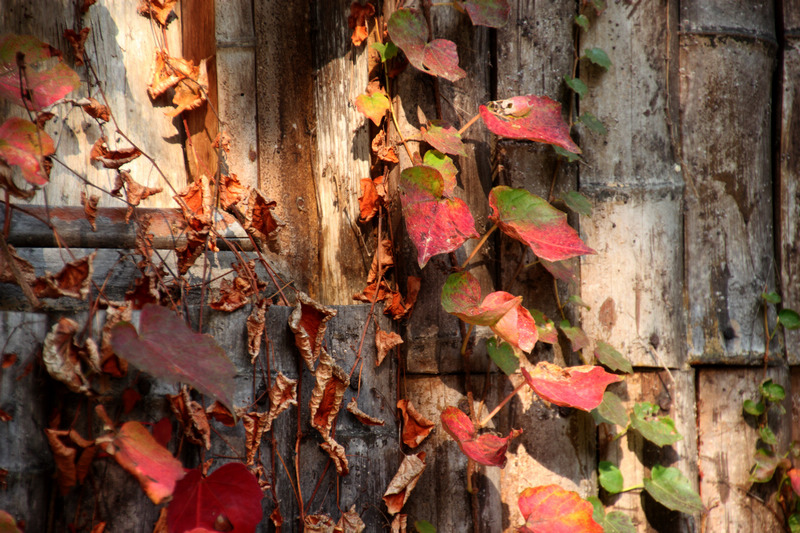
(466, 126)
(502, 404)
(466, 339)
(394, 117)
(635, 487)
(478, 246)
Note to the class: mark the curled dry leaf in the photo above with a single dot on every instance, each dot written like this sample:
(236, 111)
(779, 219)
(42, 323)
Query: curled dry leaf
(196, 202)
(73, 280)
(64, 457)
(89, 204)
(415, 426)
(382, 150)
(167, 71)
(223, 141)
(404, 481)
(112, 158)
(63, 357)
(257, 215)
(21, 272)
(158, 10)
(282, 395)
(192, 417)
(145, 290)
(223, 415)
(232, 295)
(190, 93)
(385, 341)
(276, 517)
(135, 192)
(369, 200)
(357, 21)
(326, 400)
(361, 416)
(231, 191)
(97, 110)
(255, 328)
(386, 257)
(581, 387)
(196, 243)
(254, 425)
(77, 40)
(350, 522)
(318, 523)
(109, 362)
(400, 523)
(308, 321)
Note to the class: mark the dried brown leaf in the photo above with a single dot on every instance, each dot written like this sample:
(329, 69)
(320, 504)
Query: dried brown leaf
(404, 482)
(255, 328)
(282, 395)
(368, 202)
(159, 10)
(276, 517)
(193, 418)
(385, 341)
(318, 523)
(190, 93)
(97, 110)
(166, 72)
(135, 192)
(77, 40)
(189, 251)
(231, 296)
(254, 427)
(357, 21)
(196, 202)
(84, 462)
(145, 291)
(64, 358)
(89, 204)
(25, 270)
(73, 280)
(386, 259)
(361, 416)
(415, 426)
(223, 141)
(258, 214)
(350, 522)
(64, 457)
(112, 158)
(109, 362)
(308, 321)
(382, 150)
(231, 191)
(326, 400)
(400, 523)
(221, 414)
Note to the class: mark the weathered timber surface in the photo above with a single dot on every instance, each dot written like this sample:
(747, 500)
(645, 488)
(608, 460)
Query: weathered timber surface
(726, 445)
(285, 118)
(788, 169)
(728, 226)
(121, 47)
(674, 393)
(634, 283)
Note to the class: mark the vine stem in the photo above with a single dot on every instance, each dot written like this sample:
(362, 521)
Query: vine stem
(502, 404)
(466, 126)
(478, 246)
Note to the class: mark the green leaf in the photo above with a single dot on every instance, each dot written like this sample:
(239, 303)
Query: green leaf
(789, 318)
(610, 477)
(772, 392)
(794, 523)
(582, 21)
(767, 435)
(373, 106)
(387, 51)
(598, 510)
(613, 522)
(611, 358)
(593, 123)
(610, 410)
(576, 85)
(659, 430)
(503, 355)
(752, 408)
(545, 327)
(771, 297)
(578, 203)
(765, 464)
(577, 300)
(597, 56)
(670, 488)
(423, 526)
(569, 156)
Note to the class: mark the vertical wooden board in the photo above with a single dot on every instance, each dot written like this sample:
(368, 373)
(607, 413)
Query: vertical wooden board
(726, 445)
(24, 452)
(121, 47)
(285, 121)
(699, 16)
(674, 393)
(726, 95)
(237, 88)
(634, 282)
(557, 447)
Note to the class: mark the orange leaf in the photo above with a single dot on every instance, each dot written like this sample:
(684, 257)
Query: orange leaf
(415, 426)
(159, 10)
(551, 509)
(400, 523)
(368, 201)
(255, 328)
(73, 280)
(97, 110)
(385, 341)
(326, 400)
(112, 158)
(190, 93)
(308, 321)
(350, 522)
(357, 21)
(581, 387)
(167, 72)
(404, 481)
(89, 204)
(231, 191)
(383, 151)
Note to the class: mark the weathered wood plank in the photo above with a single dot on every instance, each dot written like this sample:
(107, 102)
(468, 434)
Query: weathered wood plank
(635, 456)
(726, 445)
(728, 226)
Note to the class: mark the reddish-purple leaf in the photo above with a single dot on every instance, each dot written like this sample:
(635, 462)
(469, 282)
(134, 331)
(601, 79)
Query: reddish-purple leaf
(227, 500)
(409, 31)
(436, 224)
(24, 145)
(492, 13)
(562, 270)
(445, 166)
(531, 220)
(551, 509)
(47, 79)
(444, 137)
(373, 106)
(577, 337)
(517, 327)
(531, 117)
(485, 449)
(581, 387)
(166, 348)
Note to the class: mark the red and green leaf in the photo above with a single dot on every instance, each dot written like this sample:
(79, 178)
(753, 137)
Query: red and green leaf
(581, 387)
(530, 117)
(492, 13)
(551, 509)
(436, 224)
(486, 449)
(373, 106)
(577, 337)
(545, 327)
(409, 31)
(531, 220)
(444, 137)
(23, 144)
(445, 166)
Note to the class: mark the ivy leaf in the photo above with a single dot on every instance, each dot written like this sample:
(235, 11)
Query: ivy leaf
(492, 13)
(561, 270)
(423, 526)
(387, 51)
(670, 488)
(227, 500)
(47, 78)
(771, 297)
(793, 521)
(373, 106)
(503, 355)
(772, 392)
(597, 56)
(486, 449)
(576, 85)
(409, 31)
(613, 522)
(767, 435)
(794, 478)
(166, 348)
(593, 123)
(435, 224)
(530, 117)
(582, 21)
(577, 203)
(789, 318)
(660, 430)
(531, 220)
(610, 410)
(445, 166)
(752, 408)
(610, 477)
(23, 144)
(444, 137)
(611, 358)
(569, 156)
(765, 465)
(581, 387)
(8, 524)
(545, 327)
(577, 300)
(577, 337)
(550, 508)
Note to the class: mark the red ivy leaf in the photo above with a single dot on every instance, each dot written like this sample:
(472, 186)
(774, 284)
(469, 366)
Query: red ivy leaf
(535, 118)
(445, 166)
(444, 137)
(435, 224)
(794, 477)
(581, 387)
(227, 500)
(486, 449)
(166, 348)
(23, 144)
(531, 220)
(551, 509)
(409, 31)
(492, 13)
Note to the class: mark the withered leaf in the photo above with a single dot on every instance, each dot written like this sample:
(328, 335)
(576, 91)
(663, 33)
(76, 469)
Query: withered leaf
(73, 280)
(89, 204)
(97, 110)
(167, 71)
(231, 191)
(109, 362)
(386, 259)
(368, 201)
(135, 192)
(189, 251)
(84, 462)
(145, 291)
(63, 356)
(223, 141)
(26, 271)
(415, 426)
(191, 93)
(326, 400)
(196, 202)
(361, 416)
(385, 341)
(400, 523)
(404, 482)
(382, 150)
(282, 395)
(42, 118)
(337, 453)
(77, 41)
(350, 522)
(222, 414)
(255, 328)
(192, 416)
(64, 457)
(112, 158)
(254, 426)
(232, 295)
(159, 10)
(257, 214)
(308, 321)
(357, 21)
(276, 517)
(318, 523)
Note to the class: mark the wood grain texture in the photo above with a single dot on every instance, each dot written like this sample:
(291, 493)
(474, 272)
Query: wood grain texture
(674, 393)
(726, 444)
(726, 91)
